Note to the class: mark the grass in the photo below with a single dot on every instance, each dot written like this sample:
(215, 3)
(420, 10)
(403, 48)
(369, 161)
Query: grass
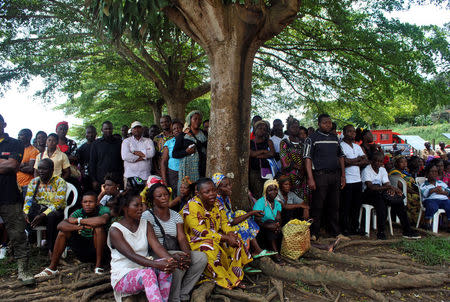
(429, 251)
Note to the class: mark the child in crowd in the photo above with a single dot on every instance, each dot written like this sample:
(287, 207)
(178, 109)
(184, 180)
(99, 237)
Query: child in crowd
(84, 231)
(270, 223)
(110, 189)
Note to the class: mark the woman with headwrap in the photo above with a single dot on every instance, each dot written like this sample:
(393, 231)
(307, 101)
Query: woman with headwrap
(239, 220)
(401, 170)
(292, 162)
(190, 147)
(207, 230)
(66, 145)
(271, 221)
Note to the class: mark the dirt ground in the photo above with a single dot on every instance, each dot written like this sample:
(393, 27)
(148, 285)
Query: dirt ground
(77, 281)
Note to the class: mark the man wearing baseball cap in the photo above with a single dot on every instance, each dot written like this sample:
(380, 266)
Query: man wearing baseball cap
(137, 154)
(11, 153)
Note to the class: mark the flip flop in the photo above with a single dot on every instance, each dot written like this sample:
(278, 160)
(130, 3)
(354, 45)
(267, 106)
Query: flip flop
(250, 269)
(99, 271)
(264, 253)
(46, 272)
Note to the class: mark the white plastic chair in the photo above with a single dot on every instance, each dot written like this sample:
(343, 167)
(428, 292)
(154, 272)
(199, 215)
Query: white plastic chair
(394, 180)
(435, 220)
(368, 210)
(70, 188)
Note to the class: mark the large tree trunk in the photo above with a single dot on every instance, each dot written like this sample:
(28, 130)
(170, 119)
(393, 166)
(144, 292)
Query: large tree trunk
(228, 145)
(176, 109)
(157, 109)
(231, 34)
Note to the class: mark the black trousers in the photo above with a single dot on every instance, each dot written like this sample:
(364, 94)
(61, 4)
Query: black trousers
(325, 200)
(376, 199)
(350, 204)
(51, 221)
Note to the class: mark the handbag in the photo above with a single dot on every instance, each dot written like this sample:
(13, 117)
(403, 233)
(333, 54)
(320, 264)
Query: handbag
(170, 242)
(35, 208)
(393, 199)
(267, 172)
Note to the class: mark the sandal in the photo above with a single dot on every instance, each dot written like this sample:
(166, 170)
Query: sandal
(264, 253)
(46, 272)
(99, 271)
(250, 269)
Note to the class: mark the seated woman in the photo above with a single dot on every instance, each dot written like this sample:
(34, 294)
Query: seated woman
(207, 230)
(186, 193)
(375, 183)
(290, 202)
(401, 170)
(241, 221)
(271, 221)
(435, 194)
(168, 226)
(132, 270)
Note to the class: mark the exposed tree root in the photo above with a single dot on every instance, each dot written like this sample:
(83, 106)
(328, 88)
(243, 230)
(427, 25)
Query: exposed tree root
(221, 297)
(368, 262)
(89, 293)
(90, 282)
(351, 280)
(202, 293)
(366, 243)
(243, 296)
(278, 284)
(309, 296)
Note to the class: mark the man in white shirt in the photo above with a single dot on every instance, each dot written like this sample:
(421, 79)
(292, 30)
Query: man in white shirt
(137, 153)
(375, 183)
(351, 201)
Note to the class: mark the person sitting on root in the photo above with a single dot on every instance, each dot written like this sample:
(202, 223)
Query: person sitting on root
(84, 231)
(375, 183)
(130, 240)
(271, 221)
(290, 202)
(241, 221)
(435, 194)
(169, 229)
(207, 230)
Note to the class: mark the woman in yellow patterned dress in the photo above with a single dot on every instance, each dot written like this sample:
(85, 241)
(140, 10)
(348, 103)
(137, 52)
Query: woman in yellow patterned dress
(207, 230)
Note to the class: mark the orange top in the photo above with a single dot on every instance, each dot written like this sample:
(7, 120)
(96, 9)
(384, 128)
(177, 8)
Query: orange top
(29, 153)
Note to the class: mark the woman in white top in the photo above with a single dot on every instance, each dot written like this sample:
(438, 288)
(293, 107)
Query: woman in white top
(132, 271)
(375, 182)
(355, 160)
(435, 194)
(169, 226)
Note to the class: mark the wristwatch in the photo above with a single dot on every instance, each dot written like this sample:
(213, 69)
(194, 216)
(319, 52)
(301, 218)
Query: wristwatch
(79, 220)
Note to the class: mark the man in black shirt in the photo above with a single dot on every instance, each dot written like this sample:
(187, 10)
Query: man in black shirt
(83, 155)
(11, 153)
(324, 161)
(105, 156)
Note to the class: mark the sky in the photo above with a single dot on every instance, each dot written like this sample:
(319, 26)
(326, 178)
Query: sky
(21, 109)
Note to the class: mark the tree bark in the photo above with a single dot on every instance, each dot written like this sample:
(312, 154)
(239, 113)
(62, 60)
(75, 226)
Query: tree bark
(176, 108)
(157, 109)
(231, 34)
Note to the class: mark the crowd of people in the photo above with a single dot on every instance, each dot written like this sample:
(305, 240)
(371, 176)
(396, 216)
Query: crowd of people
(144, 194)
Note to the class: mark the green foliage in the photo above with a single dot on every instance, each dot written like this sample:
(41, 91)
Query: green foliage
(429, 251)
(428, 133)
(346, 58)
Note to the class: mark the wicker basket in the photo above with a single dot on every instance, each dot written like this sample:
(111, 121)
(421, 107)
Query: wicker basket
(296, 239)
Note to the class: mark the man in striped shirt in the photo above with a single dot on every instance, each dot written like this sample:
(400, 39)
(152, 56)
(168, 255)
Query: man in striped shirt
(325, 168)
